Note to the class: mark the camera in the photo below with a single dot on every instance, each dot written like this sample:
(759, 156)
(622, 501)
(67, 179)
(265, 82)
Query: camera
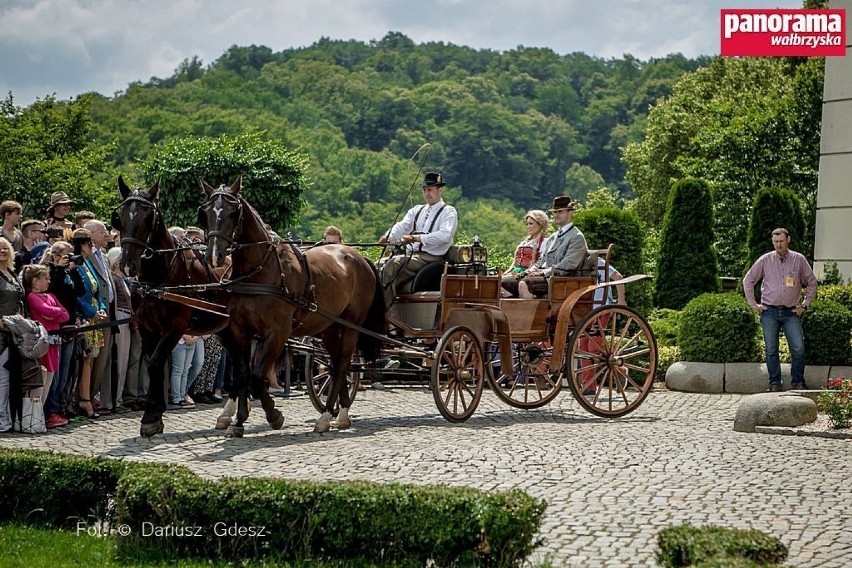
(75, 258)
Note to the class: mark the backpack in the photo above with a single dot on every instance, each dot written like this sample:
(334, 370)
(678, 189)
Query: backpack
(30, 336)
(39, 345)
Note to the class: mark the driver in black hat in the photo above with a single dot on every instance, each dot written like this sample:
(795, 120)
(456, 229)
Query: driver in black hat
(427, 232)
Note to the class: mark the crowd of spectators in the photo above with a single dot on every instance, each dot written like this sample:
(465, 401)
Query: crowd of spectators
(66, 275)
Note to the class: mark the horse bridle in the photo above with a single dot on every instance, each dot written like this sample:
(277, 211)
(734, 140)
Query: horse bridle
(147, 250)
(235, 233)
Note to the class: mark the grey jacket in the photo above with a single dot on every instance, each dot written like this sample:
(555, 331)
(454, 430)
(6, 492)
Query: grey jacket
(565, 253)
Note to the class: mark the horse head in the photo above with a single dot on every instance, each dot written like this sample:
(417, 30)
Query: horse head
(221, 217)
(136, 218)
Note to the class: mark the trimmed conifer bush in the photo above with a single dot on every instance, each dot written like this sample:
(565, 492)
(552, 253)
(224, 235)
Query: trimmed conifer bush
(773, 208)
(687, 265)
(622, 229)
(718, 328)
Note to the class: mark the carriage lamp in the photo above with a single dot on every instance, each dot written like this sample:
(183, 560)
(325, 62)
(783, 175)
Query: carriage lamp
(480, 253)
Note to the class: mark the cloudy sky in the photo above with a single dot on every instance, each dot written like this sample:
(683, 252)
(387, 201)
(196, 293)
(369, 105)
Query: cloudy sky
(68, 47)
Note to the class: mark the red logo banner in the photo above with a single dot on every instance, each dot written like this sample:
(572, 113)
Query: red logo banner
(783, 33)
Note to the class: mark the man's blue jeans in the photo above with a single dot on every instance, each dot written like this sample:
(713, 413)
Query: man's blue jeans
(773, 320)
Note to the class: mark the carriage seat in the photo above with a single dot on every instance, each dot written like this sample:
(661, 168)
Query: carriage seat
(427, 279)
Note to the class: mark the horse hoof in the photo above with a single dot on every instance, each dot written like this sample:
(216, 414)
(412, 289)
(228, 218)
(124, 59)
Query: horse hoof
(151, 429)
(236, 431)
(343, 421)
(223, 422)
(277, 423)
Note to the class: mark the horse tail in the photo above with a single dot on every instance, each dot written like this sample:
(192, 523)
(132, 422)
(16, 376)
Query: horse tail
(376, 321)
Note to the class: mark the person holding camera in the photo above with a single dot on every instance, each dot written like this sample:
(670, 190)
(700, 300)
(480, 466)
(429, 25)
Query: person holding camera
(93, 310)
(66, 284)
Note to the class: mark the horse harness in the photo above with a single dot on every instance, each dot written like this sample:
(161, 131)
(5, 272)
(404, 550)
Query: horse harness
(306, 303)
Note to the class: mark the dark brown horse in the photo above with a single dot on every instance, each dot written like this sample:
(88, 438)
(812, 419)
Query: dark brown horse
(150, 253)
(275, 292)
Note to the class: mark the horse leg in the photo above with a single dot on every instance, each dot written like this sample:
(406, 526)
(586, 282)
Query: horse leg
(223, 421)
(340, 345)
(241, 374)
(348, 343)
(266, 362)
(158, 350)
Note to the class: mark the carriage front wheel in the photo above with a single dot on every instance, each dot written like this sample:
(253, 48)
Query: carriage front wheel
(458, 374)
(611, 361)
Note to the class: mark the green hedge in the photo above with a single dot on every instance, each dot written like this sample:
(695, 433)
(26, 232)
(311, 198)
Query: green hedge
(382, 523)
(827, 327)
(55, 489)
(718, 328)
(302, 520)
(686, 545)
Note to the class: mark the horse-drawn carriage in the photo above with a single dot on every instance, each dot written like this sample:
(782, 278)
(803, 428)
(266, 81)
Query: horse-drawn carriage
(458, 330)
(451, 325)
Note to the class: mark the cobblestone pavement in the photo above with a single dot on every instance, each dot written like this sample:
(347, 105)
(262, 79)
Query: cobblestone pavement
(611, 485)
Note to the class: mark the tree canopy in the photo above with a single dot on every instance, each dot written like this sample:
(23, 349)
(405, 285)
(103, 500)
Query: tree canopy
(509, 130)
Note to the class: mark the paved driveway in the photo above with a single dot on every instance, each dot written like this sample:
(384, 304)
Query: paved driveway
(610, 484)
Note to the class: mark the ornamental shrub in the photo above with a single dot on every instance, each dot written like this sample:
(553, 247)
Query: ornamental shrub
(827, 327)
(718, 328)
(57, 490)
(687, 545)
(687, 265)
(836, 402)
(840, 293)
(323, 521)
(664, 323)
(622, 229)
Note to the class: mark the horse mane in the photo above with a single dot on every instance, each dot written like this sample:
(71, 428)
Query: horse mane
(257, 216)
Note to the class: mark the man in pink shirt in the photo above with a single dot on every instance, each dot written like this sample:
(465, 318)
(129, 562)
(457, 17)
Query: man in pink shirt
(784, 273)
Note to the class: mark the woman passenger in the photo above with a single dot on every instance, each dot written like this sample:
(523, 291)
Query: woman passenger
(527, 252)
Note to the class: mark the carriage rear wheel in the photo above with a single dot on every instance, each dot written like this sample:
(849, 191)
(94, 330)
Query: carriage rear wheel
(529, 383)
(318, 379)
(612, 359)
(458, 374)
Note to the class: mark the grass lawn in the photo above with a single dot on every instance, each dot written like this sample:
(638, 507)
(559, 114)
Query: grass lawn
(29, 547)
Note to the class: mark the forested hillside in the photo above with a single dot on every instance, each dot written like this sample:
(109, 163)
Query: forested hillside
(509, 130)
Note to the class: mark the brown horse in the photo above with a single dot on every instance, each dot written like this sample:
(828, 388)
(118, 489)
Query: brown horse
(150, 253)
(275, 291)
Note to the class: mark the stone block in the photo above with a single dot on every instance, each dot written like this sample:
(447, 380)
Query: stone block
(839, 371)
(696, 377)
(748, 378)
(816, 376)
(774, 409)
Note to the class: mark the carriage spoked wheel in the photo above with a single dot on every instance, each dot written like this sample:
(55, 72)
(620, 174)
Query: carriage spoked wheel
(318, 379)
(611, 362)
(531, 383)
(458, 374)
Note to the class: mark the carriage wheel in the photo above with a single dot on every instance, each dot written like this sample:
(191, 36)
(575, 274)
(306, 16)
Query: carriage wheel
(530, 384)
(458, 374)
(318, 379)
(612, 359)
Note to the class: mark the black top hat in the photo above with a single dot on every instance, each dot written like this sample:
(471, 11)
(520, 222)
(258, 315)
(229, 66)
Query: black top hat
(563, 202)
(433, 178)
